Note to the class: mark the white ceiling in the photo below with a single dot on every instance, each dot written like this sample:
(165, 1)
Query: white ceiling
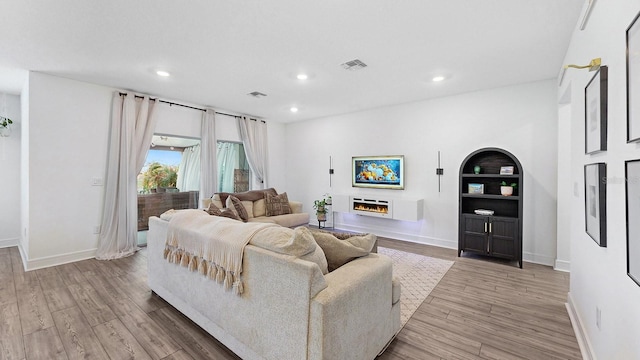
(219, 51)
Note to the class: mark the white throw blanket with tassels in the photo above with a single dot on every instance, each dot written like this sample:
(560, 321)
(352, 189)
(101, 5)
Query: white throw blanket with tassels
(212, 245)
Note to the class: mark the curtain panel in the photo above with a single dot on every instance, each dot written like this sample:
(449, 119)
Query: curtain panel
(208, 162)
(189, 169)
(253, 133)
(132, 126)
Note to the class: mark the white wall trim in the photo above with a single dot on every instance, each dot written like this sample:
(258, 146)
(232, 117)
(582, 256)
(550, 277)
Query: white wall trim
(579, 330)
(48, 261)
(537, 258)
(9, 242)
(562, 265)
(444, 243)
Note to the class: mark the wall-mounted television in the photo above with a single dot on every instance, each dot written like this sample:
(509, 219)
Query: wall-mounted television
(384, 172)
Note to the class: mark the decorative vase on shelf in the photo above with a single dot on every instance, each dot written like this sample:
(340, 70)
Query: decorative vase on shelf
(506, 190)
(476, 169)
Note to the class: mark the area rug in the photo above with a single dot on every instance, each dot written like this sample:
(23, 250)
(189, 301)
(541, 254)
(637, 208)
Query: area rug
(418, 275)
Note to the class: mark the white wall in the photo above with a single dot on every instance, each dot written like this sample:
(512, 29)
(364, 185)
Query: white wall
(10, 170)
(520, 119)
(599, 275)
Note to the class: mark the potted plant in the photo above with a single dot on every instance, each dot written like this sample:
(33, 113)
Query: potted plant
(5, 128)
(507, 189)
(321, 209)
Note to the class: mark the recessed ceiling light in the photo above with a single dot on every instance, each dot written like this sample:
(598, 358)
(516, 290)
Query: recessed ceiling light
(302, 76)
(294, 109)
(163, 73)
(438, 78)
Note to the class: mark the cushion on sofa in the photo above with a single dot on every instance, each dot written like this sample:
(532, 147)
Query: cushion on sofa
(213, 210)
(259, 208)
(297, 242)
(277, 204)
(226, 212)
(340, 252)
(235, 204)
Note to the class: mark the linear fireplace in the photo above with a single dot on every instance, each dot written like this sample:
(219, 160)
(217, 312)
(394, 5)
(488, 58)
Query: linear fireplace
(371, 207)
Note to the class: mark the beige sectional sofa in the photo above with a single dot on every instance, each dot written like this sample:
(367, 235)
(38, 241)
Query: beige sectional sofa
(288, 308)
(255, 204)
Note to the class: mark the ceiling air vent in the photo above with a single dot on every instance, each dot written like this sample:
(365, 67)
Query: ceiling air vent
(354, 65)
(257, 94)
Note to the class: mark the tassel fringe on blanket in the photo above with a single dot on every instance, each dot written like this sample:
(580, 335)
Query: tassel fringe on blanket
(205, 268)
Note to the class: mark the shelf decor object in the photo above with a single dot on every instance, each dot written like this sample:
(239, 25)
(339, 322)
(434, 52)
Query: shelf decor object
(633, 80)
(490, 223)
(632, 174)
(595, 112)
(595, 202)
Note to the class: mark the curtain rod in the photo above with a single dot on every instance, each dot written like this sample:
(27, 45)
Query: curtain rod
(187, 106)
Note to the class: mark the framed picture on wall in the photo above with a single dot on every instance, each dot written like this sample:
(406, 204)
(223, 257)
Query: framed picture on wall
(633, 80)
(632, 175)
(595, 202)
(595, 112)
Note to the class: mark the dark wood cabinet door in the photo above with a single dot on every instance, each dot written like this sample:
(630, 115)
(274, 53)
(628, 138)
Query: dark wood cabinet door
(474, 236)
(503, 237)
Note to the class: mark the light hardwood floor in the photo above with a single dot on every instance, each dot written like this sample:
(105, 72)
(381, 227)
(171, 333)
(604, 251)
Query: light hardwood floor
(482, 309)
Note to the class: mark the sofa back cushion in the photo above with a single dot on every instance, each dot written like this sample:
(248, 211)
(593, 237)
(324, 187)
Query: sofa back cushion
(298, 242)
(341, 251)
(251, 195)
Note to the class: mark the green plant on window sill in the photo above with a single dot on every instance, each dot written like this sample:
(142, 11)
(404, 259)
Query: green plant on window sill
(5, 122)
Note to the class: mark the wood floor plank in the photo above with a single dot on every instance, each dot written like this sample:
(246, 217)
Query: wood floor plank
(179, 355)
(191, 338)
(33, 309)
(118, 342)
(77, 336)
(71, 274)
(151, 336)
(59, 298)
(12, 348)
(44, 344)
(91, 304)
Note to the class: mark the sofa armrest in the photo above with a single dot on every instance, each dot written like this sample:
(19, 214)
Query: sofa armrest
(354, 315)
(296, 206)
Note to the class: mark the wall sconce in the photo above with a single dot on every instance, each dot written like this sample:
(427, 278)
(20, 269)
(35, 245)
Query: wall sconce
(5, 126)
(592, 66)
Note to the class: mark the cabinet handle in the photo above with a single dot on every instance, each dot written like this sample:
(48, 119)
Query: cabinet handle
(487, 246)
(485, 227)
(490, 227)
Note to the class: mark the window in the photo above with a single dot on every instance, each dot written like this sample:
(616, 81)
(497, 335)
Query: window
(233, 168)
(170, 178)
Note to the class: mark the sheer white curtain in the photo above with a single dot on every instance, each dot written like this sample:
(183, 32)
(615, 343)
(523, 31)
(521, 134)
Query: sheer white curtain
(189, 170)
(132, 125)
(208, 163)
(227, 159)
(254, 138)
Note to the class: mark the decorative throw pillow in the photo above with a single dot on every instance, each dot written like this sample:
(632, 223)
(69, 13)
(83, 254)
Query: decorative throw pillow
(340, 252)
(226, 212)
(213, 209)
(277, 204)
(234, 203)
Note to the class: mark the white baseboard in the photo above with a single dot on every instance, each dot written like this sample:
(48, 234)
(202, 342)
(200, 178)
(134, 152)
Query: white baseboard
(47, 261)
(579, 330)
(9, 242)
(562, 265)
(537, 258)
(444, 243)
